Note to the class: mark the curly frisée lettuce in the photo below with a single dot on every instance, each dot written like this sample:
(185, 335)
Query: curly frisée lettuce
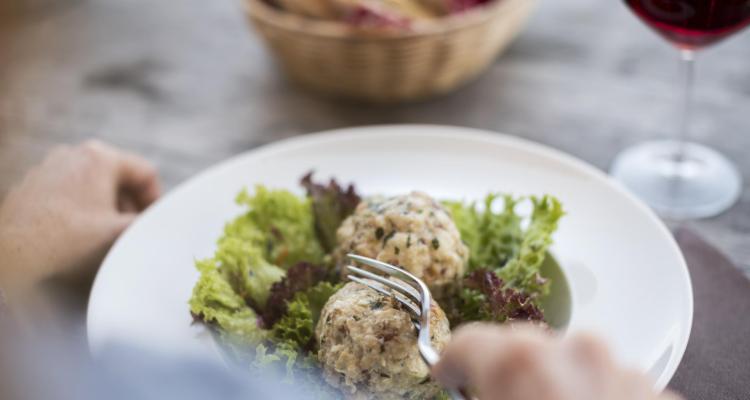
(522, 271)
(216, 301)
(254, 253)
(493, 237)
(297, 326)
(497, 240)
(280, 224)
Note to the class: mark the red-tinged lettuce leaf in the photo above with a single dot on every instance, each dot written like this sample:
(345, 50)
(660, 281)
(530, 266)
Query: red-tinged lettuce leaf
(497, 241)
(331, 204)
(485, 297)
(299, 278)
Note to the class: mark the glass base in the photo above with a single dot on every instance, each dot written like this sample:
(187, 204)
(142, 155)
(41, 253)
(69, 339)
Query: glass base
(702, 183)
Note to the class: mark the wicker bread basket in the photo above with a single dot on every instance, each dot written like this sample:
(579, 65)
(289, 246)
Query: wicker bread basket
(387, 67)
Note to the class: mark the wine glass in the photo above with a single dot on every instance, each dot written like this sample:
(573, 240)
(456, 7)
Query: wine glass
(680, 179)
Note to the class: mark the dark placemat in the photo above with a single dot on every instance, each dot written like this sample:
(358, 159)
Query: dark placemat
(716, 365)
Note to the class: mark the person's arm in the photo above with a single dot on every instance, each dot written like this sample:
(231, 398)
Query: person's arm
(525, 363)
(62, 217)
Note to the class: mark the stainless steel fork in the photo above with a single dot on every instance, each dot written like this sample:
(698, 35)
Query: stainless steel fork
(409, 291)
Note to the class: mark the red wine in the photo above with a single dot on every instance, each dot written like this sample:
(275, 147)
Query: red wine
(692, 24)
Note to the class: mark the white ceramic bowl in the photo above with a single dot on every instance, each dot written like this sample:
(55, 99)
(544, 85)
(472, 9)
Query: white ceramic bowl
(628, 280)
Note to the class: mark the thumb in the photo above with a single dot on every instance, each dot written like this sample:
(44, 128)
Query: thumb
(464, 351)
(82, 264)
(479, 350)
(119, 223)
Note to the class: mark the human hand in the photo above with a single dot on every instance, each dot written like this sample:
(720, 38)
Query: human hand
(526, 363)
(64, 215)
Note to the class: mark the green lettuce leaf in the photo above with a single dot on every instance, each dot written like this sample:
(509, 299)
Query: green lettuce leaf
(277, 226)
(243, 266)
(216, 302)
(497, 241)
(318, 296)
(256, 252)
(522, 271)
(299, 278)
(281, 224)
(297, 327)
(292, 337)
(493, 238)
(276, 355)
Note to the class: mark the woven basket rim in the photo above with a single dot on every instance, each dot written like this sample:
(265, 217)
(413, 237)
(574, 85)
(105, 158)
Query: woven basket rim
(262, 11)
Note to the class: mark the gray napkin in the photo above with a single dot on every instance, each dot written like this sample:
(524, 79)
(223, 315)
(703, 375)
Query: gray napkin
(716, 365)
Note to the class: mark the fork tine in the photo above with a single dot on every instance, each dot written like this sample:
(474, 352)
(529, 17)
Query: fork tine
(413, 309)
(388, 269)
(419, 288)
(404, 289)
(415, 289)
(426, 350)
(376, 287)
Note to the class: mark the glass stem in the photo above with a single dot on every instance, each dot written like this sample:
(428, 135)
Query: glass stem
(688, 63)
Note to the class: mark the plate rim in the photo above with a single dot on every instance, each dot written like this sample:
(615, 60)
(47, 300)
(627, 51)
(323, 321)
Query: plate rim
(427, 130)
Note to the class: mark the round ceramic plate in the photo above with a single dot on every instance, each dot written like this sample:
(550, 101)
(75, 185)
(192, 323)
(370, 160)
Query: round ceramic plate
(623, 276)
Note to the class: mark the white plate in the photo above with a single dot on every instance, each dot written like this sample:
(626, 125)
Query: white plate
(628, 280)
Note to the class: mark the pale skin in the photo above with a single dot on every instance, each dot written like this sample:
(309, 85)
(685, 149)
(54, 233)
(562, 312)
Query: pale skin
(62, 217)
(60, 220)
(525, 363)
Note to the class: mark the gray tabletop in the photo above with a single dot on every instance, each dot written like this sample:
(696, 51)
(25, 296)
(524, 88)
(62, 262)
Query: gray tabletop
(186, 83)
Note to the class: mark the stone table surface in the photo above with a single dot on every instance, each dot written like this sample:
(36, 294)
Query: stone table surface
(187, 84)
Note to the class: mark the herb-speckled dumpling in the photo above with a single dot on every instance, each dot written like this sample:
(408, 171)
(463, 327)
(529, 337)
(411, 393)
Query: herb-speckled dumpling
(412, 231)
(368, 346)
